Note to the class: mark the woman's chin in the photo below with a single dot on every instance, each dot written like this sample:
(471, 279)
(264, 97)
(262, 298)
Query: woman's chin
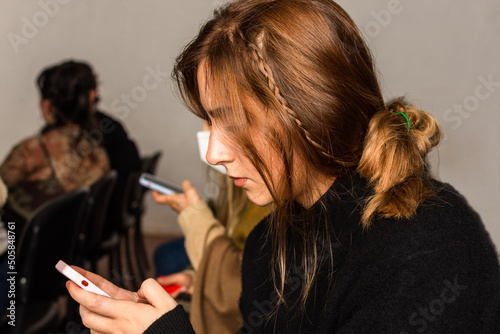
(259, 199)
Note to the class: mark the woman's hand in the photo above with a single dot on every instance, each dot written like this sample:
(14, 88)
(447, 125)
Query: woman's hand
(179, 202)
(126, 311)
(182, 279)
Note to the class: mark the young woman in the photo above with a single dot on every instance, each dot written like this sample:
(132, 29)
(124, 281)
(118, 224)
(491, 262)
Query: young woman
(362, 239)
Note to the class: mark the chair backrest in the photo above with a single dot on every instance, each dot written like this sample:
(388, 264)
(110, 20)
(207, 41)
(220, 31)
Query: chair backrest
(129, 193)
(137, 191)
(149, 163)
(95, 216)
(49, 236)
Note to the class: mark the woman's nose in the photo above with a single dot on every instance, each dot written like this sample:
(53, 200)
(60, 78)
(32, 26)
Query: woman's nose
(218, 152)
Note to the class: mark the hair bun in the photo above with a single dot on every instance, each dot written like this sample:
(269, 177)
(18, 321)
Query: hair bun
(393, 160)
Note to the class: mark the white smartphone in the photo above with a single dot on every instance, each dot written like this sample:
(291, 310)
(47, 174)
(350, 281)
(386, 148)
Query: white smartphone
(154, 182)
(79, 279)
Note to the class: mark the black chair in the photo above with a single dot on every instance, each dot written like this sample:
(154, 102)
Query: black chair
(92, 245)
(49, 236)
(113, 230)
(132, 220)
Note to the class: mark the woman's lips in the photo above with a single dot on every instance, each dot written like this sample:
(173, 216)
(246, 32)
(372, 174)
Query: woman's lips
(239, 181)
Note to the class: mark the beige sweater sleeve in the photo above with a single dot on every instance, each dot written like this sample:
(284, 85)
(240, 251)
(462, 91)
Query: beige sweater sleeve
(200, 227)
(217, 289)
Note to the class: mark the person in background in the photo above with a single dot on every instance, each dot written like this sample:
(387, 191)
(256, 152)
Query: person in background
(123, 153)
(362, 238)
(108, 132)
(215, 234)
(63, 155)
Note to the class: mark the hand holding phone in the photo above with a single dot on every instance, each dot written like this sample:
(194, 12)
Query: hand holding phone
(153, 182)
(79, 279)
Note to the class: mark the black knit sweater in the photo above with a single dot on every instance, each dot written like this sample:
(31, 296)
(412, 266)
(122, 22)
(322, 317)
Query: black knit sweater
(437, 272)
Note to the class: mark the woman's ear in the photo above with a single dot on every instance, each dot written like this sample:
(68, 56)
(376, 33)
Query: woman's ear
(92, 98)
(206, 126)
(47, 111)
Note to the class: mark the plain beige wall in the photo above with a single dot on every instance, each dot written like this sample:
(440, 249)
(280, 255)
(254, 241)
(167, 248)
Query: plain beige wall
(443, 55)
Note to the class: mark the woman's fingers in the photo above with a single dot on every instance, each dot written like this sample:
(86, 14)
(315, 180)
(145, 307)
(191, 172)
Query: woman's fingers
(192, 195)
(187, 186)
(177, 278)
(124, 316)
(99, 281)
(164, 199)
(182, 279)
(105, 285)
(91, 301)
(154, 293)
(132, 314)
(179, 202)
(176, 201)
(98, 323)
(108, 315)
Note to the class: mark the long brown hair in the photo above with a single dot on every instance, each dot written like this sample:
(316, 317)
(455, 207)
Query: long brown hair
(305, 63)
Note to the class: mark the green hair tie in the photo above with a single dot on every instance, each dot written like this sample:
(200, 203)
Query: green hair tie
(407, 119)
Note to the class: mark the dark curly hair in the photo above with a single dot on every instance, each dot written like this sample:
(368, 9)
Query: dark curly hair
(67, 86)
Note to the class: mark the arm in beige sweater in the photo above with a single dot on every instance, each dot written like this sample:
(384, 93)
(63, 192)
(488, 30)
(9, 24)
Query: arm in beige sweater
(200, 227)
